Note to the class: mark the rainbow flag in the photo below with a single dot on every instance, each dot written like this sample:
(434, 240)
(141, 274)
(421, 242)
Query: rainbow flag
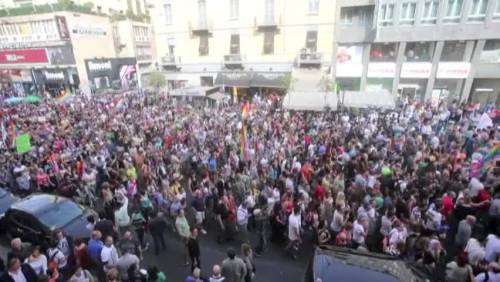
(64, 97)
(490, 158)
(243, 132)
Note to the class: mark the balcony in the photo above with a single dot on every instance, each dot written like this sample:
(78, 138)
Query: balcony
(233, 61)
(170, 62)
(309, 59)
(200, 28)
(263, 24)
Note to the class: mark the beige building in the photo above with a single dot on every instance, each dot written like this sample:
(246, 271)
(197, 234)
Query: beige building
(243, 43)
(101, 6)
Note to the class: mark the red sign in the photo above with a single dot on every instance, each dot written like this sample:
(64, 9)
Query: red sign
(62, 27)
(23, 56)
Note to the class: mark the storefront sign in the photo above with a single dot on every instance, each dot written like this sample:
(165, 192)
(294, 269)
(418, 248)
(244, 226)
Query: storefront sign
(51, 75)
(23, 56)
(454, 70)
(81, 29)
(16, 45)
(416, 70)
(349, 70)
(99, 66)
(62, 55)
(62, 27)
(382, 70)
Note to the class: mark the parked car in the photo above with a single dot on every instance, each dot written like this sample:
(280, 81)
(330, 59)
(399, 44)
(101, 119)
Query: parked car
(335, 264)
(35, 218)
(6, 200)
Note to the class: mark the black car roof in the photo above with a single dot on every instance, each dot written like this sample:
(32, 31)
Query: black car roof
(38, 203)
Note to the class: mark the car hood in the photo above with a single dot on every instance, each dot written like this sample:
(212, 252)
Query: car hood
(77, 228)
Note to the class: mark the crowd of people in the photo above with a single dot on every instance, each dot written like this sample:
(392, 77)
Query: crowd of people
(418, 182)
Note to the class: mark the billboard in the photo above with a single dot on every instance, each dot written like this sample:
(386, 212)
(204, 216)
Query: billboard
(116, 73)
(62, 27)
(23, 56)
(62, 55)
(349, 61)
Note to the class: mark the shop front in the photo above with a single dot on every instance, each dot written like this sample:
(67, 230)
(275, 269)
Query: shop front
(16, 82)
(56, 81)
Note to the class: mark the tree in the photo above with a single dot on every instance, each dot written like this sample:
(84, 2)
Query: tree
(327, 84)
(157, 80)
(288, 82)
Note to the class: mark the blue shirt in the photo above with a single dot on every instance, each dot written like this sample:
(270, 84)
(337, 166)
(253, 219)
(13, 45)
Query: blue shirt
(95, 248)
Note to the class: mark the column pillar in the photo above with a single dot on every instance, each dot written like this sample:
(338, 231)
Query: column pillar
(435, 62)
(470, 78)
(365, 60)
(399, 63)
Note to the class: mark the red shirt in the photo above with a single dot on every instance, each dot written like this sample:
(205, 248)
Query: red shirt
(447, 206)
(320, 193)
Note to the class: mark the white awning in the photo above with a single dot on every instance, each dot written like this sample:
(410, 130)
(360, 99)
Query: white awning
(361, 99)
(310, 101)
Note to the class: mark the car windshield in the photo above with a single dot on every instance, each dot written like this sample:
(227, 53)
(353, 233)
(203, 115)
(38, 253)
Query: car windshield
(59, 215)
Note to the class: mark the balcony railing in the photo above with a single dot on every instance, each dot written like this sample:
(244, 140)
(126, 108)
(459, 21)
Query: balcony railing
(233, 59)
(169, 60)
(266, 23)
(309, 59)
(200, 27)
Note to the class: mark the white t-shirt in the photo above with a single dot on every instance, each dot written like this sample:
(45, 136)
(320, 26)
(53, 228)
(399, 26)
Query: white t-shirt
(492, 249)
(39, 264)
(109, 256)
(58, 256)
(294, 223)
(492, 277)
(358, 233)
(337, 222)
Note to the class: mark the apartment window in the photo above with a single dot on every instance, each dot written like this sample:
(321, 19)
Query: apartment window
(496, 13)
(453, 11)
(202, 13)
(407, 16)
(311, 41)
(429, 13)
(453, 51)
(235, 44)
(268, 42)
(269, 11)
(386, 14)
(347, 15)
(419, 51)
(313, 6)
(203, 48)
(138, 7)
(491, 52)
(478, 10)
(233, 9)
(383, 52)
(167, 7)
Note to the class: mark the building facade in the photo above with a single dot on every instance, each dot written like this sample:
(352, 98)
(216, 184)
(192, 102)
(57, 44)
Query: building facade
(425, 49)
(248, 44)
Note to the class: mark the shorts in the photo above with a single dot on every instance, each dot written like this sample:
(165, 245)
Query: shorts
(200, 217)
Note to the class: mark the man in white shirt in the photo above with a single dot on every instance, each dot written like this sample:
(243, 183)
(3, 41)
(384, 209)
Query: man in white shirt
(294, 226)
(359, 230)
(242, 220)
(492, 248)
(18, 273)
(109, 255)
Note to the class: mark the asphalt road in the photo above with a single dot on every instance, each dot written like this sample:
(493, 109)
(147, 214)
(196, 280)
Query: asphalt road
(274, 265)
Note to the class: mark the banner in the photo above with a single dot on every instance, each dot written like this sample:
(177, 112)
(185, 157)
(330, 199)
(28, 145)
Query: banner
(382, 70)
(454, 70)
(349, 61)
(23, 143)
(23, 56)
(416, 70)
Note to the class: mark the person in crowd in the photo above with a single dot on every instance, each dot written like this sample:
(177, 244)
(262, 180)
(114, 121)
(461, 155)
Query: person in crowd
(182, 226)
(95, 248)
(82, 275)
(17, 272)
(216, 274)
(247, 257)
(37, 261)
(294, 232)
(233, 268)
(109, 255)
(155, 275)
(157, 227)
(195, 276)
(193, 247)
(19, 249)
(127, 262)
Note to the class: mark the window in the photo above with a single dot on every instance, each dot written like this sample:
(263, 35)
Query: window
(407, 16)
(235, 44)
(496, 13)
(269, 11)
(383, 52)
(313, 6)
(453, 11)
(429, 13)
(202, 13)
(311, 41)
(268, 42)
(491, 52)
(453, 51)
(386, 14)
(167, 7)
(478, 10)
(138, 7)
(203, 48)
(347, 15)
(233, 9)
(419, 51)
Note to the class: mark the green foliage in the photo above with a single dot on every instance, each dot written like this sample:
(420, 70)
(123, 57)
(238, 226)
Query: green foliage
(157, 80)
(288, 82)
(327, 84)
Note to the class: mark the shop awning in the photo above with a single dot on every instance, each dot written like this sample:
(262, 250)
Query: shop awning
(310, 101)
(250, 79)
(233, 79)
(192, 91)
(362, 99)
(218, 96)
